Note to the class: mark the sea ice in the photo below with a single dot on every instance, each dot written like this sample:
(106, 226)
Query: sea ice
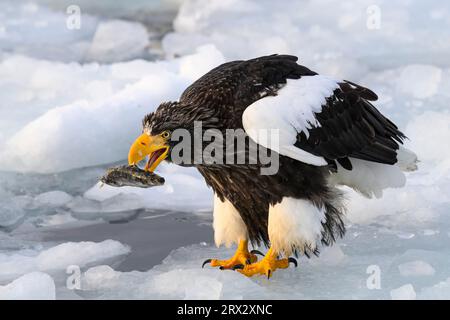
(317, 32)
(31, 286)
(53, 198)
(416, 268)
(112, 41)
(10, 212)
(184, 190)
(405, 292)
(58, 112)
(110, 121)
(30, 29)
(439, 291)
(59, 257)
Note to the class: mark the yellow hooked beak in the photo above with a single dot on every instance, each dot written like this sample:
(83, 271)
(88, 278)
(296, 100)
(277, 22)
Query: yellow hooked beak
(146, 145)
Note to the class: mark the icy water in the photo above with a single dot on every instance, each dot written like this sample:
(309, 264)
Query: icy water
(152, 233)
(71, 103)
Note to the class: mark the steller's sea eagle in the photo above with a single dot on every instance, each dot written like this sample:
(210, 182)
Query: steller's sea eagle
(329, 134)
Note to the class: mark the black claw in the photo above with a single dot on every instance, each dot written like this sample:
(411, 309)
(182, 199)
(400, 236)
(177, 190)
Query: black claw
(290, 259)
(221, 268)
(269, 272)
(257, 252)
(205, 262)
(238, 266)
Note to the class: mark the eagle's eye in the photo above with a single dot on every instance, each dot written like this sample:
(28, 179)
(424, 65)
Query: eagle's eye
(165, 134)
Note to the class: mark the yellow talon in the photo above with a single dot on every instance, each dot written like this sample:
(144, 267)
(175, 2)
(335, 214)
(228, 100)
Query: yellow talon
(267, 265)
(241, 258)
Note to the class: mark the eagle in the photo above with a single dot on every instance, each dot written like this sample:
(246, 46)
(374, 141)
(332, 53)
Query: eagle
(328, 134)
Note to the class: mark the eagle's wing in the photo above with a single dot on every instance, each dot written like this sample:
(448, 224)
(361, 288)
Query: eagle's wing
(321, 120)
(237, 84)
(350, 126)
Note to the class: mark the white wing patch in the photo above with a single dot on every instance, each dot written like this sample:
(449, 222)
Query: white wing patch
(290, 112)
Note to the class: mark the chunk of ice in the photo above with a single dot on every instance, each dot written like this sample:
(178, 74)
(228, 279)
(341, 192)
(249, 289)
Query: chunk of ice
(31, 286)
(416, 268)
(426, 84)
(118, 40)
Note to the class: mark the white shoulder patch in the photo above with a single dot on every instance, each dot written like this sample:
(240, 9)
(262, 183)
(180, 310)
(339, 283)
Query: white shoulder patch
(290, 112)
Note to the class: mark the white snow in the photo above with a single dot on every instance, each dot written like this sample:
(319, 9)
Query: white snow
(102, 276)
(288, 114)
(427, 133)
(405, 292)
(159, 283)
(370, 178)
(430, 232)
(53, 198)
(295, 221)
(11, 212)
(112, 41)
(439, 291)
(31, 286)
(110, 121)
(31, 29)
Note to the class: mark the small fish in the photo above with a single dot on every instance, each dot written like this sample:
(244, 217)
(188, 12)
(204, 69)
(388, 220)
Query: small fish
(132, 176)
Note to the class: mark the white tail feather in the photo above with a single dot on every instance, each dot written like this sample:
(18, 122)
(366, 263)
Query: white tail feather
(371, 178)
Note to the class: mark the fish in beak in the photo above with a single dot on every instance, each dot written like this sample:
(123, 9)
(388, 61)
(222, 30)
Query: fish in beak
(155, 147)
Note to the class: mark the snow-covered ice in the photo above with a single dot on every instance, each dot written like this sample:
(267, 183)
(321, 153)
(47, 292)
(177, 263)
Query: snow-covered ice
(31, 286)
(112, 41)
(440, 290)
(416, 268)
(71, 103)
(108, 108)
(184, 190)
(59, 257)
(405, 292)
(53, 198)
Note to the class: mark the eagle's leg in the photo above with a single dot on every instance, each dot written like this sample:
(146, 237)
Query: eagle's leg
(241, 258)
(267, 265)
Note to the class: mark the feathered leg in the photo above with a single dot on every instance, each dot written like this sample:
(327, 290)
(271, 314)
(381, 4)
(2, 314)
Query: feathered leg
(267, 265)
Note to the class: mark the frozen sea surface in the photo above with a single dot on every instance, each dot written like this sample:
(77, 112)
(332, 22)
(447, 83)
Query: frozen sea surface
(69, 108)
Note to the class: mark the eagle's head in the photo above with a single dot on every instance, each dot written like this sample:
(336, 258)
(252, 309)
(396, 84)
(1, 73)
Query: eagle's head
(155, 142)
